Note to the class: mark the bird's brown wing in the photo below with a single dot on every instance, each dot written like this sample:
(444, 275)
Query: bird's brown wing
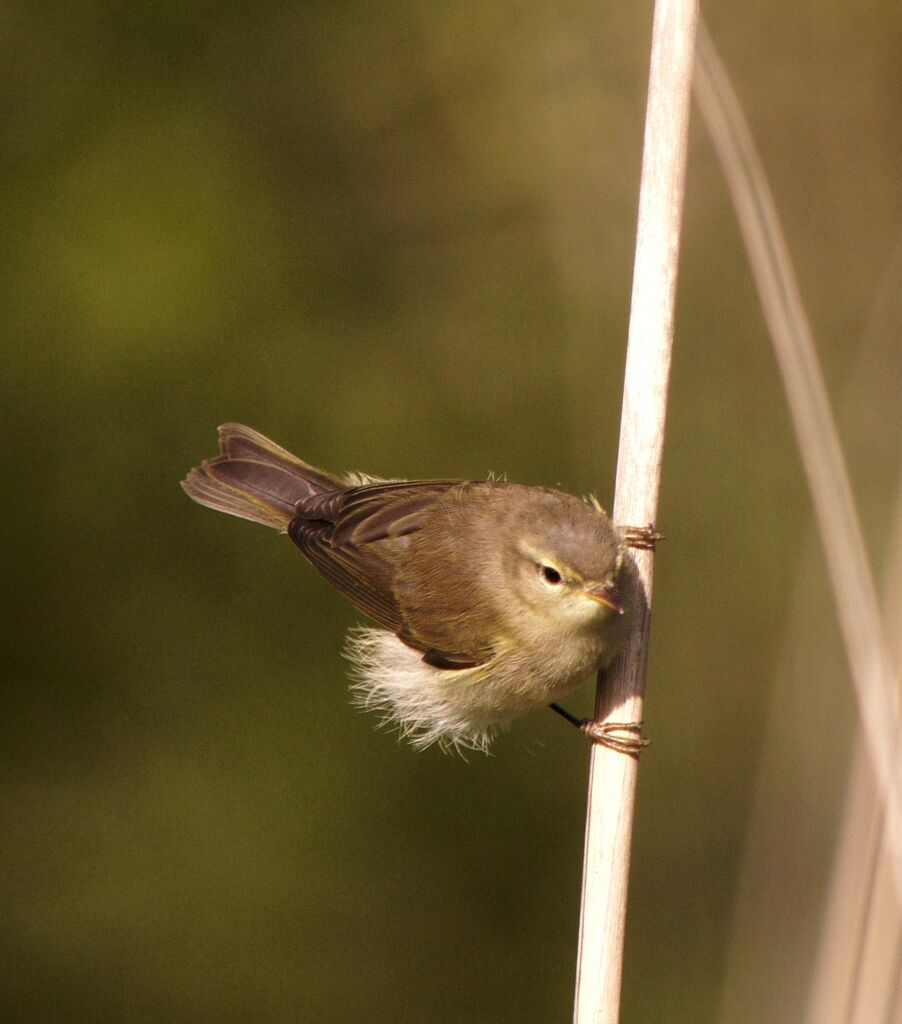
(448, 585)
(356, 538)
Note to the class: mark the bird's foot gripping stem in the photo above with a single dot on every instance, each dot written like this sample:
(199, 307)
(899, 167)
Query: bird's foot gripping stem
(624, 737)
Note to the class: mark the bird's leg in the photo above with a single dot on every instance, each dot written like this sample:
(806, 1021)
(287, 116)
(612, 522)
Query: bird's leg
(565, 714)
(642, 537)
(624, 737)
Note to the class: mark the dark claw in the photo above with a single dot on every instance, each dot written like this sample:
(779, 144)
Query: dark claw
(644, 538)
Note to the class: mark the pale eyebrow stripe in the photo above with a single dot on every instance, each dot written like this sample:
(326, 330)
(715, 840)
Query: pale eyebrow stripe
(536, 556)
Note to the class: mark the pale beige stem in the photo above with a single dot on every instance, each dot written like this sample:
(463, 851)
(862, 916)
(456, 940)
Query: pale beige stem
(612, 775)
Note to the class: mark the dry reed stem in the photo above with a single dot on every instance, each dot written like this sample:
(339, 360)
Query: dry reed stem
(872, 669)
(855, 978)
(848, 978)
(612, 775)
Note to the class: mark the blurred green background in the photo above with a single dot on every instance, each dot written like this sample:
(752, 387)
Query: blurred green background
(396, 238)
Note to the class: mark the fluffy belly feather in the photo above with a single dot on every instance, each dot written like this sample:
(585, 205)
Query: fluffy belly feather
(460, 708)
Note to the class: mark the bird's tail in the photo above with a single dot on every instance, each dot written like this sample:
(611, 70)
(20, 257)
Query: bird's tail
(255, 479)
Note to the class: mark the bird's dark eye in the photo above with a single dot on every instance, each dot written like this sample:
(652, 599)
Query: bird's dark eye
(550, 574)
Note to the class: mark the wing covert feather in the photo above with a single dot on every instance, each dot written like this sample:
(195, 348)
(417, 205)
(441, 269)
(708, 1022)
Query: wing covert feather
(355, 536)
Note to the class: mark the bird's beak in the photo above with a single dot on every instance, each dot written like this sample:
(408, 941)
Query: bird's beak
(607, 596)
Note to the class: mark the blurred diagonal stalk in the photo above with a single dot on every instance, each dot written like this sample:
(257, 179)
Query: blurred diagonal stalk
(870, 662)
(612, 775)
(855, 978)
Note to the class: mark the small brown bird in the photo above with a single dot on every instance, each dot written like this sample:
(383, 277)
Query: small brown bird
(492, 598)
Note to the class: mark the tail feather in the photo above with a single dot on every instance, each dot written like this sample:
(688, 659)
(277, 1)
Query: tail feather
(239, 442)
(255, 479)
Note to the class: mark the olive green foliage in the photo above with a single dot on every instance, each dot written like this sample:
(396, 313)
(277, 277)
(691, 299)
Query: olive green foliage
(396, 238)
